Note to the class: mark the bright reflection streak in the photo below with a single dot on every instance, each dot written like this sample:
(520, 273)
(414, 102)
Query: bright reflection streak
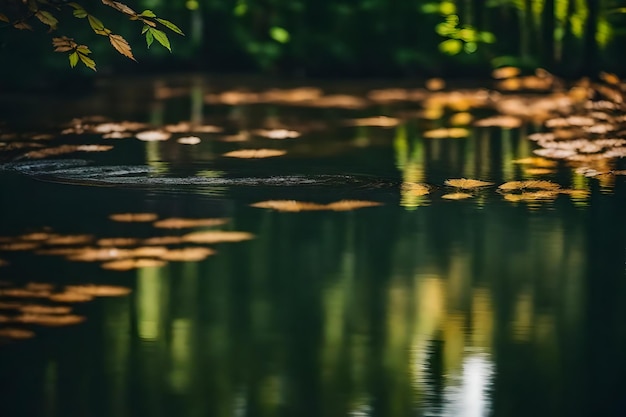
(181, 340)
(148, 294)
(471, 397)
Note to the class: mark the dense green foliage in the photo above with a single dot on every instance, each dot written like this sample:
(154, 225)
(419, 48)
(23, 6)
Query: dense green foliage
(323, 37)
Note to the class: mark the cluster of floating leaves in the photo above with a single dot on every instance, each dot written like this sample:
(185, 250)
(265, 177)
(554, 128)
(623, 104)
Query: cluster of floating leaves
(127, 253)
(46, 305)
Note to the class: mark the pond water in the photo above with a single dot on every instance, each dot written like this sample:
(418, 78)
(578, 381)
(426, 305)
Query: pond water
(334, 273)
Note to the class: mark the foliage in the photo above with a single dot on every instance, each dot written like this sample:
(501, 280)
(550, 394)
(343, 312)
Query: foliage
(22, 14)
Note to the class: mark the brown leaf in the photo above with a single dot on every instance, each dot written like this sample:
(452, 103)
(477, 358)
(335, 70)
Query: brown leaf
(466, 183)
(120, 7)
(122, 46)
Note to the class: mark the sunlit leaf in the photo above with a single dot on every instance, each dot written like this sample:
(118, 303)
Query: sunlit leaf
(451, 46)
(435, 84)
(130, 264)
(189, 140)
(539, 171)
(466, 183)
(149, 36)
(80, 13)
(277, 133)
(217, 236)
(415, 189)
(255, 153)
(118, 241)
(153, 135)
(530, 184)
(19, 246)
(289, 205)
(70, 297)
(122, 46)
(160, 37)
(47, 18)
(378, 121)
(181, 223)
(133, 217)
(69, 240)
(89, 63)
(191, 254)
(171, 26)
(506, 121)
(120, 7)
(96, 25)
(15, 333)
(610, 78)
(163, 240)
(50, 320)
(147, 13)
(456, 196)
(505, 72)
(24, 293)
(442, 133)
(279, 34)
(346, 205)
(99, 290)
(44, 309)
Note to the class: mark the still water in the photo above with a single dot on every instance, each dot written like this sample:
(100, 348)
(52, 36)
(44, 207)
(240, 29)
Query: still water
(352, 285)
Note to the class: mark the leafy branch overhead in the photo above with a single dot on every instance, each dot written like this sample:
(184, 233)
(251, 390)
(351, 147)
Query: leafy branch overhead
(23, 12)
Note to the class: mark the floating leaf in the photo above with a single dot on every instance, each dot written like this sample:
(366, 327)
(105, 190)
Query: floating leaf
(14, 333)
(217, 236)
(19, 246)
(122, 46)
(415, 189)
(277, 133)
(466, 183)
(50, 320)
(43, 309)
(442, 133)
(118, 241)
(346, 205)
(539, 171)
(133, 217)
(189, 140)
(163, 240)
(531, 184)
(506, 121)
(288, 205)
(192, 254)
(456, 196)
(378, 121)
(153, 135)
(255, 153)
(130, 264)
(98, 290)
(181, 223)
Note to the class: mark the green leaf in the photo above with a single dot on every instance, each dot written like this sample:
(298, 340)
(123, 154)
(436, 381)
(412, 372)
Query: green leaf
(47, 18)
(3, 18)
(149, 38)
(89, 63)
(147, 13)
(279, 34)
(170, 26)
(83, 49)
(76, 6)
(451, 46)
(145, 29)
(97, 25)
(161, 37)
(80, 13)
(73, 59)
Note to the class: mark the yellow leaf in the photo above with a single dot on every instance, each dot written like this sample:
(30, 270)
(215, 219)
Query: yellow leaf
(89, 63)
(47, 18)
(466, 183)
(122, 46)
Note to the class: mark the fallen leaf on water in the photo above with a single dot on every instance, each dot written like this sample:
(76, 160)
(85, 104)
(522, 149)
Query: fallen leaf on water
(346, 205)
(133, 217)
(99, 254)
(43, 309)
(15, 333)
(19, 246)
(530, 184)
(148, 251)
(118, 241)
(116, 135)
(442, 133)
(505, 72)
(379, 121)
(415, 189)
(191, 254)
(24, 293)
(539, 171)
(189, 140)
(466, 183)
(35, 236)
(288, 205)
(163, 240)
(506, 121)
(187, 127)
(277, 133)
(461, 119)
(217, 236)
(98, 290)
(70, 297)
(129, 264)
(182, 223)
(69, 239)
(153, 135)
(435, 84)
(255, 153)
(531, 196)
(536, 161)
(50, 320)
(456, 196)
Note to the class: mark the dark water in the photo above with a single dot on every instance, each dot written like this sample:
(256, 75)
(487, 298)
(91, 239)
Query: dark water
(419, 306)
